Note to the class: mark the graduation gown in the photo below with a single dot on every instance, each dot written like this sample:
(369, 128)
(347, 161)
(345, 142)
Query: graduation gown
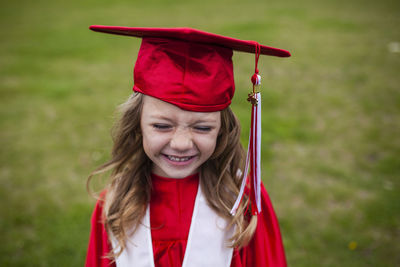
(171, 209)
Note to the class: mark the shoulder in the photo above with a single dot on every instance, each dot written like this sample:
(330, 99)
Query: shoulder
(266, 247)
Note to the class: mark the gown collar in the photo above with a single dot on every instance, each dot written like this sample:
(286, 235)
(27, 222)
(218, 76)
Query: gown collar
(157, 178)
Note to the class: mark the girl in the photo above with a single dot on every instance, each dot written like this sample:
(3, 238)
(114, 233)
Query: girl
(175, 196)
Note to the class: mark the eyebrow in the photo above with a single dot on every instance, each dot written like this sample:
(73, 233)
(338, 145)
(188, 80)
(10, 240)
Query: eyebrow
(205, 121)
(162, 117)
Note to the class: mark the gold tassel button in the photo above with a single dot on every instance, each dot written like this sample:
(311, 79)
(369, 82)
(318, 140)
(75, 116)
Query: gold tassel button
(252, 99)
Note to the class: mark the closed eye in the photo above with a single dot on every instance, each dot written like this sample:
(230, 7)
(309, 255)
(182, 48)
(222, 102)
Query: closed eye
(160, 126)
(203, 128)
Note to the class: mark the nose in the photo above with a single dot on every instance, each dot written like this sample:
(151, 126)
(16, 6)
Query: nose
(181, 140)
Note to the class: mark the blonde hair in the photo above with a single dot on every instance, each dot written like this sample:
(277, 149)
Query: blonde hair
(129, 189)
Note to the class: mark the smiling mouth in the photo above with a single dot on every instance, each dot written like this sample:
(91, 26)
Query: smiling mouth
(179, 159)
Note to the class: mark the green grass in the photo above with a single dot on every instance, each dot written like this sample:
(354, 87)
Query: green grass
(331, 145)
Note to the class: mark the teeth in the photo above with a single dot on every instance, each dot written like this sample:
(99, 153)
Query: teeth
(178, 159)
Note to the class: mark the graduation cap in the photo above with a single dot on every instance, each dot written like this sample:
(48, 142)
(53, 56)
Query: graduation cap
(193, 70)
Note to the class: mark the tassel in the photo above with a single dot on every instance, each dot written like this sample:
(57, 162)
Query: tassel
(253, 158)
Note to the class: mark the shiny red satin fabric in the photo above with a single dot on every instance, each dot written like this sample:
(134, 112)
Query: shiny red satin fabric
(185, 74)
(171, 210)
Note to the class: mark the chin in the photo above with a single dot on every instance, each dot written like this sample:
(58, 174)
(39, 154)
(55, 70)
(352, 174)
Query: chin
(169, 169)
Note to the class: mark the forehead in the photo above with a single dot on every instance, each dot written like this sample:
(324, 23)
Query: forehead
(154, 108)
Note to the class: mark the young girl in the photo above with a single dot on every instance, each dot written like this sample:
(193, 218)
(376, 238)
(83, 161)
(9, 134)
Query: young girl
(177, 195)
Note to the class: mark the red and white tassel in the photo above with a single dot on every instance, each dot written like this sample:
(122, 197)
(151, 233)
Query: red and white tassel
(253, 158)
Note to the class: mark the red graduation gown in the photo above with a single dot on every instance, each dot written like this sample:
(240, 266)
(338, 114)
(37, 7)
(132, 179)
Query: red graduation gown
(171, 209)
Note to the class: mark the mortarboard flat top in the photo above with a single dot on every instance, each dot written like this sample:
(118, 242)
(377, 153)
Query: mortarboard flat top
(192, 35)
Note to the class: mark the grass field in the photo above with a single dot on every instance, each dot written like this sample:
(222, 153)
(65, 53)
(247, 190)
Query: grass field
(331, 133)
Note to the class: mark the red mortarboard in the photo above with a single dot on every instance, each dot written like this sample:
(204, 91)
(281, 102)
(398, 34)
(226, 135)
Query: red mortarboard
(193, 70)
(189, 68)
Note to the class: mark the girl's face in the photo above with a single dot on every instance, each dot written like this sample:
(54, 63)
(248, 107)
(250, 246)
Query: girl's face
(177, 141)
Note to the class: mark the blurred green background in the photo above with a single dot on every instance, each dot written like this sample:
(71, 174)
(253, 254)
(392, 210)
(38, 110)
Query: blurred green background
(331, 146)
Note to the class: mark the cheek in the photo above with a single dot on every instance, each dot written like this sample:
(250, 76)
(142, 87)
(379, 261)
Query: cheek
(148, 143)
(153, 143)
(208, 144)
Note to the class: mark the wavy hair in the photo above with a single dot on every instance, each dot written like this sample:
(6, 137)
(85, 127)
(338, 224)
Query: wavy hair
(129, 188)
